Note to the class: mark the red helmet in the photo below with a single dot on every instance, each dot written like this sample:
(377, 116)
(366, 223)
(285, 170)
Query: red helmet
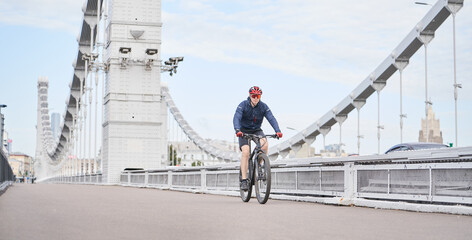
(255, 90)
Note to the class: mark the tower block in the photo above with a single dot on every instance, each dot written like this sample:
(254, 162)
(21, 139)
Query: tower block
(135, 115)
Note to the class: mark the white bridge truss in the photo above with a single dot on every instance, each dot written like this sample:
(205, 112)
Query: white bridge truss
(193, 136)
(421, 34)
(51, 150)
(87, 60)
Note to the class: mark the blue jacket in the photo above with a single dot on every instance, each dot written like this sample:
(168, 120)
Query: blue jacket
(250, 118)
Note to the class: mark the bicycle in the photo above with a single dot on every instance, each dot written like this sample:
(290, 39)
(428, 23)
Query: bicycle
(258, 171)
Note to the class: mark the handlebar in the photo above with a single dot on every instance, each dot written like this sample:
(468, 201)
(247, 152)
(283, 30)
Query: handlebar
(250, 136)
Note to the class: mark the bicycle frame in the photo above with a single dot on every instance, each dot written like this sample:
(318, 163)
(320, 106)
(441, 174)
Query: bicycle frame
(257, 150)
(253, 166)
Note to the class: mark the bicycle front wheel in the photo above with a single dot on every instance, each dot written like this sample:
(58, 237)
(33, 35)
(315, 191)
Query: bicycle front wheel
(262, 178)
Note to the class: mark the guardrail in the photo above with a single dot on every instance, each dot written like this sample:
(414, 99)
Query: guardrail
(79, 179)
(6, 174)
(437, 180)
(438, 177)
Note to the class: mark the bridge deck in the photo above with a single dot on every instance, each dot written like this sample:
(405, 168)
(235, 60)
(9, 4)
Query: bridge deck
(53, 211)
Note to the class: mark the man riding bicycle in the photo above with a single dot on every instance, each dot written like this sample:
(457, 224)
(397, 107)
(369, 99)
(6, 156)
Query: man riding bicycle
(248, 119)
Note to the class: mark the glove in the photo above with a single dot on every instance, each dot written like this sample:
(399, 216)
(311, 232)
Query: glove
(239, 133)
(279, 135)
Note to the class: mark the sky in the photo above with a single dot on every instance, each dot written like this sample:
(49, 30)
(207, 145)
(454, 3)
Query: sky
(305, 55)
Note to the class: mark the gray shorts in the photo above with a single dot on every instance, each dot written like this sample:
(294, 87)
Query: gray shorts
(243, 141)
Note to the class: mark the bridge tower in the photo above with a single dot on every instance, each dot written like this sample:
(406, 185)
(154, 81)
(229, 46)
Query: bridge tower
(135, 114)
(42, 158)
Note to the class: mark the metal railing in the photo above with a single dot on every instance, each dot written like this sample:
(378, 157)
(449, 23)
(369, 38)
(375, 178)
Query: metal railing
(6, 173)
(434, 177)
(438, 180)
(80, 179)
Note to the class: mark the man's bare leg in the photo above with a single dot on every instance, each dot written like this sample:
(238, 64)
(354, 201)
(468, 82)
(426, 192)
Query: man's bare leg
(244, 160)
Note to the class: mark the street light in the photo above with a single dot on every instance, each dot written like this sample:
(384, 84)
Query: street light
(296, 130)
(423, 3)
(1, 125)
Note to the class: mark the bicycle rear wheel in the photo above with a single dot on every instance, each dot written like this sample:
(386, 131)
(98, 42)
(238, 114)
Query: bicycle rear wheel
(262, 178)
(246, 195)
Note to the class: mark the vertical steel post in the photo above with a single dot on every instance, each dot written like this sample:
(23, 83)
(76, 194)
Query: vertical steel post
(358, 104)
(426, 88)
(401, 107)
(455, 81)
(454, 7)
(426, 37)
(378, 85)
(400, 64)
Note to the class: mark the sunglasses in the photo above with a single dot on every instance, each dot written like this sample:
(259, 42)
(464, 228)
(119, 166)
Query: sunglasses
(256, 96)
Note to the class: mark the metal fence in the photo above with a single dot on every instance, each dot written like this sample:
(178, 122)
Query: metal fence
(440, 177)
(6, 173)
(81, 179)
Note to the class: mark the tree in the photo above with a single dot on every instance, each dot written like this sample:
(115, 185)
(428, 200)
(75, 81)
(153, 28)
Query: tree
(173, 159)
(197, 163)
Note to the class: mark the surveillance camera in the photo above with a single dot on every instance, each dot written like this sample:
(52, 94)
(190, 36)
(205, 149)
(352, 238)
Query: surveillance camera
(173, 59)
(167, 63)
(151, 51)
(125, 50)
(180, 59)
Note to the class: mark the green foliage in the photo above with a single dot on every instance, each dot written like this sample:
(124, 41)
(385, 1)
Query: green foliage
(173, 159)
(197, 163)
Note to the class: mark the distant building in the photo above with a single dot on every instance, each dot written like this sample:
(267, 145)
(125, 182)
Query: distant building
(189, 153)
(55, 124)
(304, 152)
(435, 134)
(333, 150)
(21, 164)
(17, 167)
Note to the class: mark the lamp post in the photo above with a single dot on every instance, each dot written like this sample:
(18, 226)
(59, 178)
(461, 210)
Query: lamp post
(2, 119)
(295, 130)
(308, 146)
(423, 3)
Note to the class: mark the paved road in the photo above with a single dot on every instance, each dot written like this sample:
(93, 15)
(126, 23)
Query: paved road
(54, 211)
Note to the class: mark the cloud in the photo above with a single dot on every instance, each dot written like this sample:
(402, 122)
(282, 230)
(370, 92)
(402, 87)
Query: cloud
(63, 15)
(324, 41)
(342, 42)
